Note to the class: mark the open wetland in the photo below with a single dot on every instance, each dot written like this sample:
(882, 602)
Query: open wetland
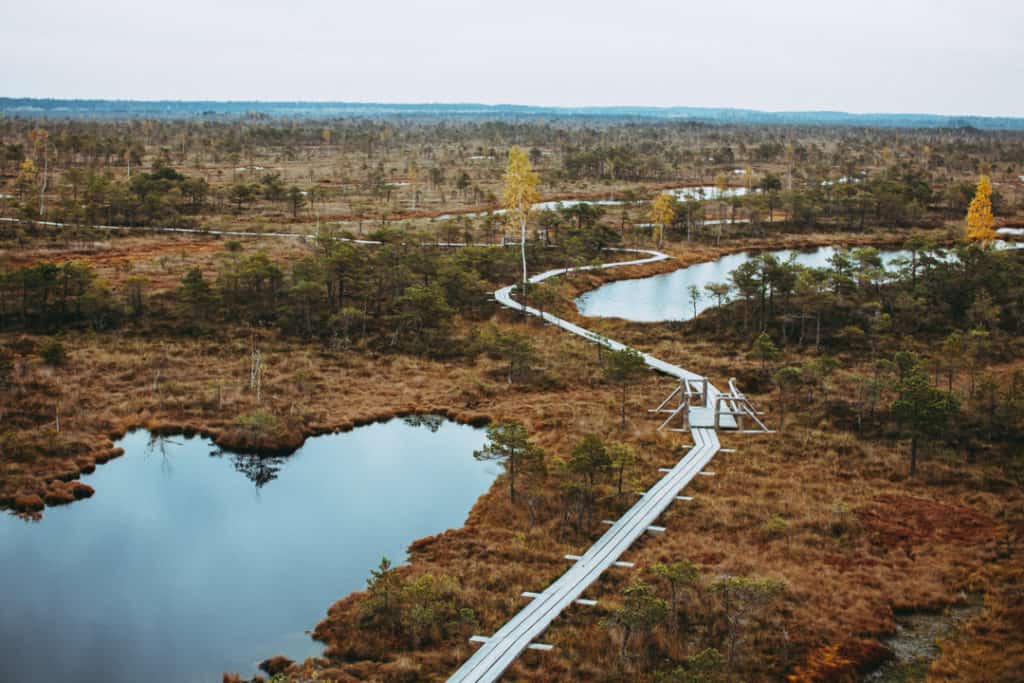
(191, 561)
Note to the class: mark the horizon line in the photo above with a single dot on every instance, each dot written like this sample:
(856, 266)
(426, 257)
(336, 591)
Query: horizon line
(494, 105)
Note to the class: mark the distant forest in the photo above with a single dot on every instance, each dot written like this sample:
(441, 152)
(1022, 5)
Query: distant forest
(170, 109)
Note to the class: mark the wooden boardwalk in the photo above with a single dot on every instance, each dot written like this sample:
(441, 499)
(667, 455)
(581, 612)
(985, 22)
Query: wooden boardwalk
(498, 651)
(701, 416)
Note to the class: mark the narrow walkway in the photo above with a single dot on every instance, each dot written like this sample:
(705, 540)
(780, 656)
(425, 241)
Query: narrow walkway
(698, 416)
(500, 650)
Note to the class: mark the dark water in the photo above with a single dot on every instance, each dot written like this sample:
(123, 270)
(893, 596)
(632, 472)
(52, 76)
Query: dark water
(665, 296)
(181, 567)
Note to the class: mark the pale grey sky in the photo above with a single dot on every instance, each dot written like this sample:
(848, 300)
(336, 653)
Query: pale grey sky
(932, 56)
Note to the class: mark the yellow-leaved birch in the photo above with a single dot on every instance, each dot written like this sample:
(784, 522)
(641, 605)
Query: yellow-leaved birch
(519, 196)
(663, 212)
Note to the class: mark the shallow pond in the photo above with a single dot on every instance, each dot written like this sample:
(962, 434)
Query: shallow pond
(189, 562)
(666, 296)
(915, 645)
(707, 192)
(685, 194)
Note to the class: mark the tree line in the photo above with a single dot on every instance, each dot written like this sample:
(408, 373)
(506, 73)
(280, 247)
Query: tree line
(403, 295)
(916, 339)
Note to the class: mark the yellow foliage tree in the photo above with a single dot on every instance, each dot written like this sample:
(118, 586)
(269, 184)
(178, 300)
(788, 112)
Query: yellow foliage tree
(721, 184)
(38, 138)
(980, 224)
(28, 179)
(663, 212)
(520, 195)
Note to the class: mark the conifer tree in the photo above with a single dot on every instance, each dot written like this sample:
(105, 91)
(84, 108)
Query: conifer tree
(980, 224)
(509, 443)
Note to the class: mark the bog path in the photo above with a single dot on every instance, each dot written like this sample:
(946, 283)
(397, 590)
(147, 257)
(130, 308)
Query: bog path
(499, 650)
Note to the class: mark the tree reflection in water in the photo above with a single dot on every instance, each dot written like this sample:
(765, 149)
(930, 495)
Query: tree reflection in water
(259, 469)
(431, 422)
(158, 443)
(263, 469)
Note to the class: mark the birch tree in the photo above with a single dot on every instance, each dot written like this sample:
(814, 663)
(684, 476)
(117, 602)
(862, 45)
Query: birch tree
(519, 196)
(40, 141)
(663, 212)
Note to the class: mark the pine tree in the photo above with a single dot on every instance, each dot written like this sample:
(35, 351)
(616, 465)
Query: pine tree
(920, 409)
(624, 367)
(508, 443)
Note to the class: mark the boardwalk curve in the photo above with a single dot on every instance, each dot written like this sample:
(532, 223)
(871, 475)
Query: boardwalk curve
(500, 650)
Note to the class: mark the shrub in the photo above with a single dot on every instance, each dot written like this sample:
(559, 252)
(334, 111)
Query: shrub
(259, 422)
(261, 432)
(775, 526)
(53, 353)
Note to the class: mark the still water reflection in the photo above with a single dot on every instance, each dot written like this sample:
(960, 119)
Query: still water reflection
(189, 562)
(666, 297)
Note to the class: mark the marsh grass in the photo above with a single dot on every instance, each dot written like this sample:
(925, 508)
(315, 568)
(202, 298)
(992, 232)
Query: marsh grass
(859, 539)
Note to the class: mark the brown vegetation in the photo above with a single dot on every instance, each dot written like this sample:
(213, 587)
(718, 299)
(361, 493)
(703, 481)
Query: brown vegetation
(830, 513)
(276, 665)
(993, 635)
(814, 506)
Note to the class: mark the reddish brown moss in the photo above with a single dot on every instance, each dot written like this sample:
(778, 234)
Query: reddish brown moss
(276, 665)
(59, 493)
(80, 490)
(109, 454)
(841, 663)
(28, 503)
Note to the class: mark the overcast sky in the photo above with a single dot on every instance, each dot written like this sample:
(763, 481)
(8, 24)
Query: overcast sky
(933, 56)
